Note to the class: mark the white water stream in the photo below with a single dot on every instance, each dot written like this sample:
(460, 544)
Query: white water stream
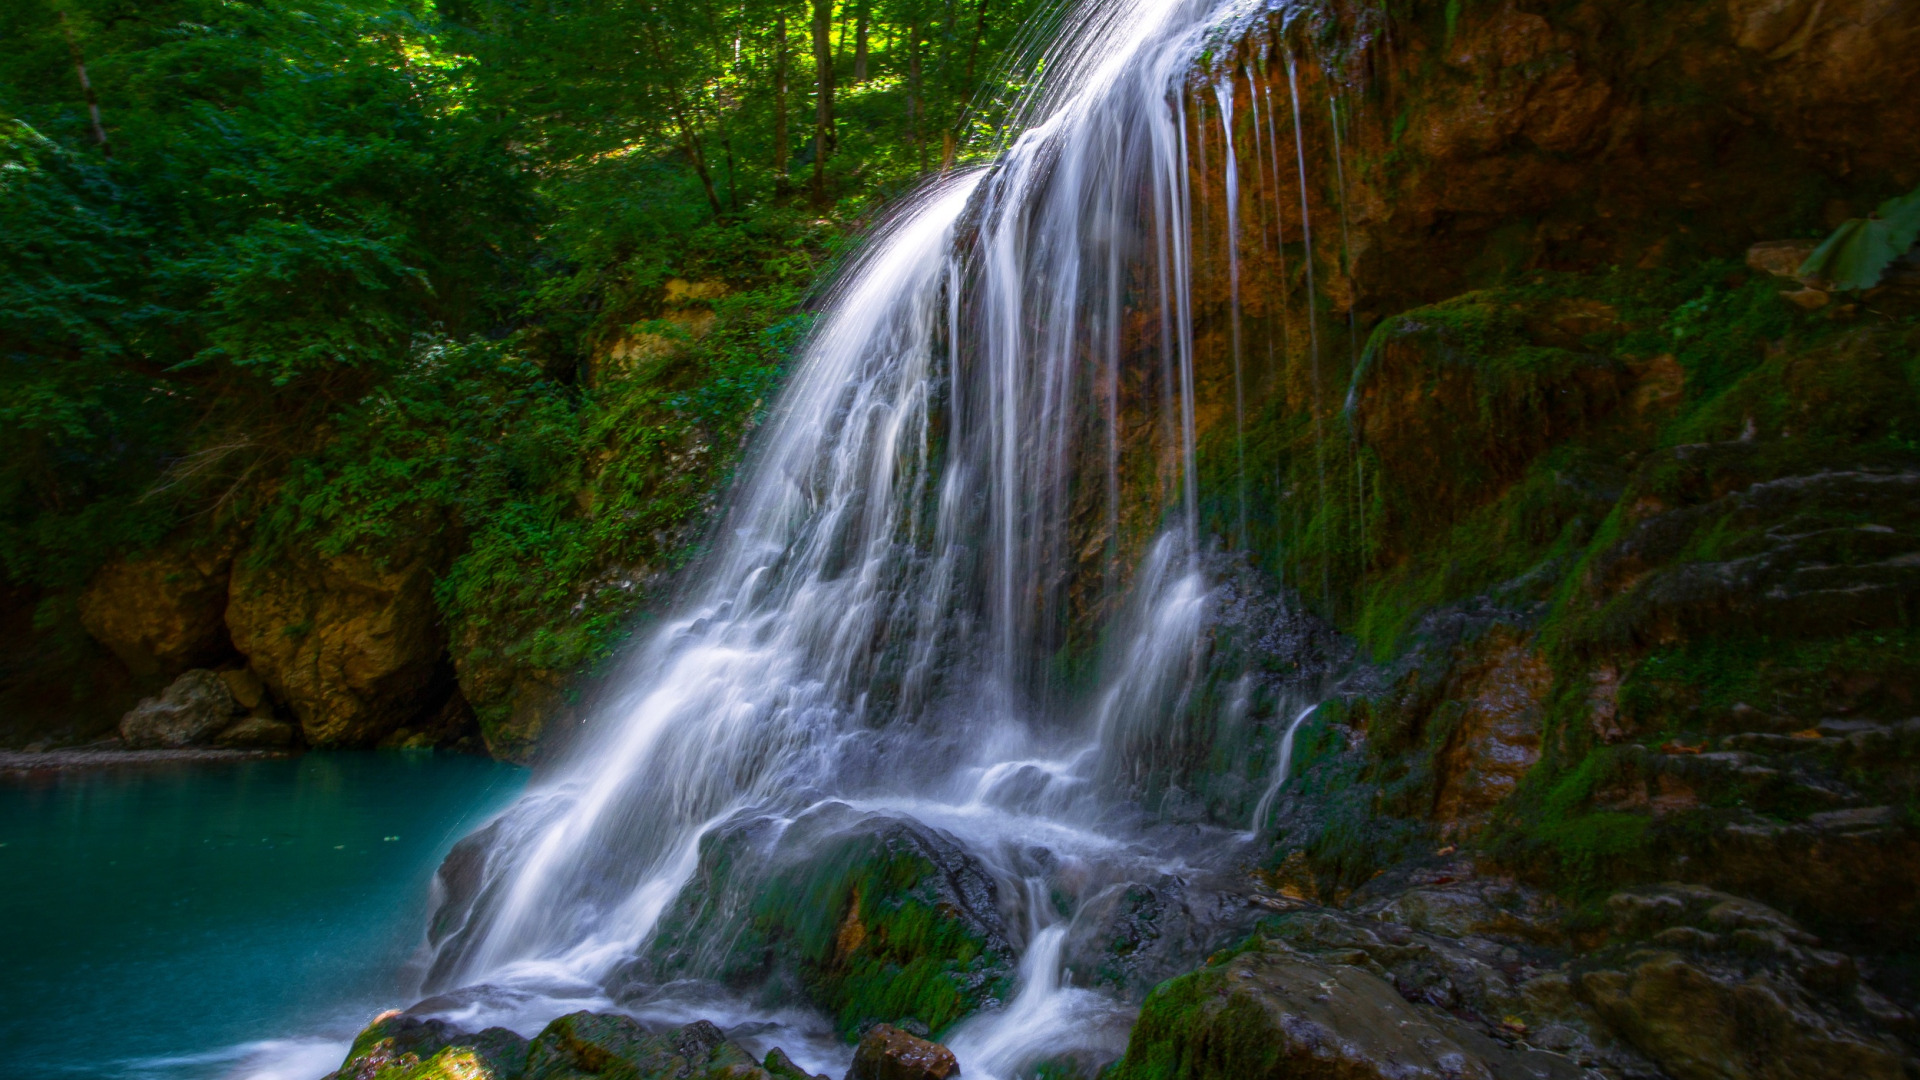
(876, 623)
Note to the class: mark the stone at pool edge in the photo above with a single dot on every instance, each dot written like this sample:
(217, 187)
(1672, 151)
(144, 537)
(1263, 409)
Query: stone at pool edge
(579, 1046)
(888, 1053)
(204, 708)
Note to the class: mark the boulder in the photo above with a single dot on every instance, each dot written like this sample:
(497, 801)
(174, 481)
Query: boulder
(189, 712)
(586, 1044)
(577, 1046)
(400, 1047)
(247, 689)
(161, 612)
(350, 644)
(782, 1067)
(887, 1053)
(869, 917)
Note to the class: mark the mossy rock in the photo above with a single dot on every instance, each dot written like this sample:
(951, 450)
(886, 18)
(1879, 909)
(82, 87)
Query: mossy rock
(868, 916)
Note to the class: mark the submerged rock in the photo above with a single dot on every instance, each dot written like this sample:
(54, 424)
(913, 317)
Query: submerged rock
(887, 1053)
(189, 712)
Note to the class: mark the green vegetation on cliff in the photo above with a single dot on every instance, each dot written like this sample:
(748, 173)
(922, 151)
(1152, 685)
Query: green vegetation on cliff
(496, 290)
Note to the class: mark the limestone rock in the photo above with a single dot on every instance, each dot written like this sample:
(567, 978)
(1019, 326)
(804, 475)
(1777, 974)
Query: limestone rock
(257, 733)
(247, 689)
(887, 1053)
(161, 612)
(517, 707)
(189, 712)
(349, 644)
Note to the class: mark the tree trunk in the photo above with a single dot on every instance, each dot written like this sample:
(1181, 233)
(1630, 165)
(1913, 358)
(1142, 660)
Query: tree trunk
(691, 143)
(780, 101)
(86, 86)
(823, 112)
(915, 106)
(860, 42)
(973, 51)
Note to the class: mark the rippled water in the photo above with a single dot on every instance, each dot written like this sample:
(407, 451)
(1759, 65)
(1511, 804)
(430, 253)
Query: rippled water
(156, 921)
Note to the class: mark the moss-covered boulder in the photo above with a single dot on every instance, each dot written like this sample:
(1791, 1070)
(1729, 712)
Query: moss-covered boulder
(400, 1047)
(577, 1046)
(867, 916)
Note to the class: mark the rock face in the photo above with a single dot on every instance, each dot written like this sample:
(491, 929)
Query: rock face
(189, 712)
(1277, 1012)
(351, 646)
(1452, 975)
(887, 1053)
(574, 1047)
(163, 611)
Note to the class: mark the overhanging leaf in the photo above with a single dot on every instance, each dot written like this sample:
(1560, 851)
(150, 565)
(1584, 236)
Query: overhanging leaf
(1861, 249)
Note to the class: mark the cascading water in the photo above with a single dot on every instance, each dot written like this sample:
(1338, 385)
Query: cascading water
(876, 626)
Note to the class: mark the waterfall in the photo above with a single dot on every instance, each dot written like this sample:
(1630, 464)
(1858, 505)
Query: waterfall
(896, 570)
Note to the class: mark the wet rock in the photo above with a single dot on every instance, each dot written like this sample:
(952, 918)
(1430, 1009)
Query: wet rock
(1498, 734)
(189, 712)
(574, 1047)
(1275, 1011)
(781, 1067)
(888, 1053)
(586, 1044)
(350, 645)
(1132, 937)
(161, 612)
(517, 707)
(868, 916)
(1697, 1022)
(400, 1047)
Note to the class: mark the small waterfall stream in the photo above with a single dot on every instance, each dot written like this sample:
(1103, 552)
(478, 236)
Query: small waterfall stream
(876, 624)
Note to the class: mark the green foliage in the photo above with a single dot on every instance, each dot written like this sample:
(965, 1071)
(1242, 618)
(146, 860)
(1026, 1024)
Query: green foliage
(345, 274)
(1855, 255)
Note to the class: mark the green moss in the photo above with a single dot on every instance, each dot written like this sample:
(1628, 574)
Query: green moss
(848, 915)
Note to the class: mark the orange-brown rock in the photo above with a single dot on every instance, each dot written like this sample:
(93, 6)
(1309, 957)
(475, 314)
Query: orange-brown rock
(1498, 734)
(161, 612)
(518, 707)
(887, 1053)
(349, 644)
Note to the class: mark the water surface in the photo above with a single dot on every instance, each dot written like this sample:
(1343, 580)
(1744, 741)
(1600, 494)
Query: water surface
(156, 922)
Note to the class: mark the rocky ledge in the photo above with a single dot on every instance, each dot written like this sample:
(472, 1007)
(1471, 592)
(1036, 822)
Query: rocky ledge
(585, 1044)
